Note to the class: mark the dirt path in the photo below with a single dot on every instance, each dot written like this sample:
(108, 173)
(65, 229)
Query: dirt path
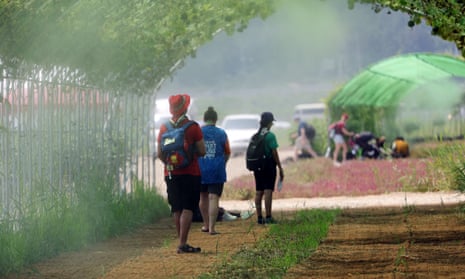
(150, 253)
(423, 242)
(416, 242)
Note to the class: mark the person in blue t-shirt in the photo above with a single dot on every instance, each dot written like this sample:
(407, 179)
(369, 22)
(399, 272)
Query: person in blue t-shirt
(213, 169)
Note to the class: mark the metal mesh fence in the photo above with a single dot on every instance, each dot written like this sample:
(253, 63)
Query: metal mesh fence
(55, 137)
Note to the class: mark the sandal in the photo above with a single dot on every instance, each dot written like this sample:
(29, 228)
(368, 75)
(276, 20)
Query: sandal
(186, 248)
(204, 229)
(214, 233)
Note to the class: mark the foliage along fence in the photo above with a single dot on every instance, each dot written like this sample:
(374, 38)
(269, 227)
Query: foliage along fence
(57, 138)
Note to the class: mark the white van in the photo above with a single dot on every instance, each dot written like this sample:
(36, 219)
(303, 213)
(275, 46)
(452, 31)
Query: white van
(310, 111)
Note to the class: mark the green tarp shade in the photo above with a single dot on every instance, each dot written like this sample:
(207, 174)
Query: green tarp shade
(385, 83)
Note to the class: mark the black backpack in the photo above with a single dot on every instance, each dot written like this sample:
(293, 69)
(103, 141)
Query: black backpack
(175, 156)
(310, 132)
(255, 155)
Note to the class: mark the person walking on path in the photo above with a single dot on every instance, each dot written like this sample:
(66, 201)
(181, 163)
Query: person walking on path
(213, 169)
(265, 178)
(339, 142)
(303, 139)
(183, 184)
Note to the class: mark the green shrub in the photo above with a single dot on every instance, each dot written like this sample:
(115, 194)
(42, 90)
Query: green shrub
(58, 221)
(286, 244)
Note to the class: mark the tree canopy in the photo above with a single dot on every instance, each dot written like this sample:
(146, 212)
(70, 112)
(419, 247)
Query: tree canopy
(130, 45)
(133, 45)
(444, 16)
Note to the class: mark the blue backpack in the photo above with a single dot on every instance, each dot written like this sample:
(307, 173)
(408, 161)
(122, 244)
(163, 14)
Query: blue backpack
(175, 155)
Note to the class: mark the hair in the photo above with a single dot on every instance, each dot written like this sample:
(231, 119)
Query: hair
(210, 115)
(264, 123)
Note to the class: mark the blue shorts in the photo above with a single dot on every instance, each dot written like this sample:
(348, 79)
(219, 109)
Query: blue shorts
(214, 188)
(183, 192)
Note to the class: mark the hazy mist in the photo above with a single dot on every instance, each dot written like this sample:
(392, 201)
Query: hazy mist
(304, 51)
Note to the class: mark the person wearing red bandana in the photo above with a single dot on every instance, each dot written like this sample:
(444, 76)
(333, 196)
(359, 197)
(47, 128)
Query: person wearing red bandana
(183, 184)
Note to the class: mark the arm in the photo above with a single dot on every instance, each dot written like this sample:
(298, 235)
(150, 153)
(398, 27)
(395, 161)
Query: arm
(303, 134)
(278, 163)
(159, 154)
(227, 151)
(294, 135)
(200, 147)
(346, 132)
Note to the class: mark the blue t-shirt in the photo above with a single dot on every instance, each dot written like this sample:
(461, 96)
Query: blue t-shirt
(213, 164)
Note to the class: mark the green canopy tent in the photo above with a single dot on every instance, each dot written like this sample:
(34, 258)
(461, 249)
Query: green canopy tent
(385, 83)
(379, 89)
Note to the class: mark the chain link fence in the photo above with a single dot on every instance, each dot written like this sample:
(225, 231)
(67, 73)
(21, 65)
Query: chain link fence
(56, 137)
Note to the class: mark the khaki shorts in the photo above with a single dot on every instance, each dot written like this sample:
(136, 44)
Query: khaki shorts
(338, 139)
(301, 145)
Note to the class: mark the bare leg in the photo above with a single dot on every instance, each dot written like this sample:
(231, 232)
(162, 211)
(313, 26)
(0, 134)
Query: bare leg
(344, 152)
(268, 202)
(310, 150)
(296, 153)
(177, 222)
(185, 225)
(203, 206)
(258, 202)
(297, 148)
(213, 201)
(336, 152)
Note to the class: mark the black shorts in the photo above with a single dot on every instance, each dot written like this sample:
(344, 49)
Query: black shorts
(183, 192)
(265, 180)
(214, 188)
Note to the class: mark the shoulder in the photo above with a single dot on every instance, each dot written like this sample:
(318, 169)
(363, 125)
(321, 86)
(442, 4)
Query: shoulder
(205, 127)
(193, 127)
(164, 127)
(213, 128)
(221, 131)
(270, 135)
(190, 123)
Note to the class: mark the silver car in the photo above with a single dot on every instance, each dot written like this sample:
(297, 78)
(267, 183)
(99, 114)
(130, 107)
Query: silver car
(240, 128)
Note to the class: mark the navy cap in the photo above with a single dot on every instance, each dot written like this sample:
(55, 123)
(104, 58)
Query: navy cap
(267, 118)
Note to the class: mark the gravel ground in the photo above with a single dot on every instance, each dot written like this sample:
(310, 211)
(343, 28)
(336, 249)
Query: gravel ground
(386, 200)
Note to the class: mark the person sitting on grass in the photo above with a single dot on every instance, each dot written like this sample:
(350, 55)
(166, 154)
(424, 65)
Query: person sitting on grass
(400, 148)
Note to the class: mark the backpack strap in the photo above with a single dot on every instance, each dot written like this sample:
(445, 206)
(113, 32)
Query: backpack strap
(184, 126)
(265, 134)
(169, 125)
